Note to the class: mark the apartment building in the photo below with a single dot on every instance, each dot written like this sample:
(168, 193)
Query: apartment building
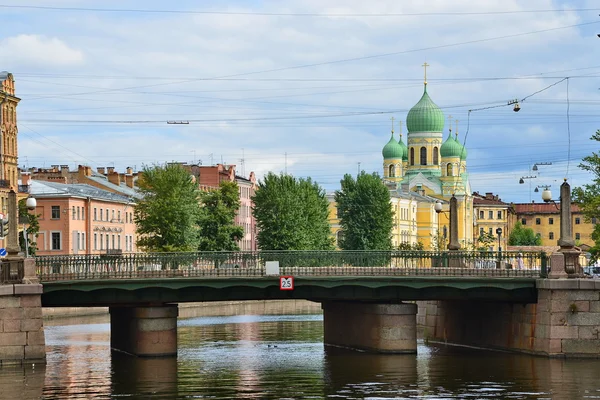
(490, 214)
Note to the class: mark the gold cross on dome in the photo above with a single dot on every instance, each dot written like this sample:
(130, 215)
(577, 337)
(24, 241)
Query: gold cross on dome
(425, 65)
(392, 124)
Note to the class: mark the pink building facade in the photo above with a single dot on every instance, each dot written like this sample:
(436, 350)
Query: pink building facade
(81, 219)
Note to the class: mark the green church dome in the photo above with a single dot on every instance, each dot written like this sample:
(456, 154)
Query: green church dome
(404, 148)
(451, 148)
(392, 149)
(425, 116)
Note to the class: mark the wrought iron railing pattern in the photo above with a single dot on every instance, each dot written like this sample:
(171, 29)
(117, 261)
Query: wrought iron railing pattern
(298, 263)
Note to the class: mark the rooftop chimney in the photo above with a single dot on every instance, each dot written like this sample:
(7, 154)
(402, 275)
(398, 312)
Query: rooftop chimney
(101, 170)
(113, 177)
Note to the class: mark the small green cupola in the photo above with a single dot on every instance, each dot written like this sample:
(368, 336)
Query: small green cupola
(451, 148)
(425, 116)
(404, 148)
(393, 149)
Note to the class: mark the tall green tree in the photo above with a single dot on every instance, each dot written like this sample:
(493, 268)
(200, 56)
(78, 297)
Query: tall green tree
(291, 214)
(521, 236)
(32, 227)
(588, 196)
(167, 214)
(365, 212)
(216, 221)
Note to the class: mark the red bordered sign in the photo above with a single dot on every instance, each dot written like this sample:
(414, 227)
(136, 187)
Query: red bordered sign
(286, 283)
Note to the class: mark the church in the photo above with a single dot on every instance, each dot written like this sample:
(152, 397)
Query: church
(428, 169)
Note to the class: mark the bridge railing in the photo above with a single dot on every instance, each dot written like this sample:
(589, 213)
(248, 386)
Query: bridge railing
(319, 263)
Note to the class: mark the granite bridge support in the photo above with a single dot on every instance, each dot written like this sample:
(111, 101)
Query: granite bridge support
(21, 324)
(565, 321)
(381, 328)
(144, 331)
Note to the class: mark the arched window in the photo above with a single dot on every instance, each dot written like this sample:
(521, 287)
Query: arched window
(392, 171)
(412, 156)
(449, 169)
(435, 156)
(340, 237)
(423, 156)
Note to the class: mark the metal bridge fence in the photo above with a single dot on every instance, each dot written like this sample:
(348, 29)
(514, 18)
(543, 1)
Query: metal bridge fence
(297, 263)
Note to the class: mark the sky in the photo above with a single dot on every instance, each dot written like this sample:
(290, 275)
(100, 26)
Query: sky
(306, 87)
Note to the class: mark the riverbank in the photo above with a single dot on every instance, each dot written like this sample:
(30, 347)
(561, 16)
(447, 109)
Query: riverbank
(208, 309)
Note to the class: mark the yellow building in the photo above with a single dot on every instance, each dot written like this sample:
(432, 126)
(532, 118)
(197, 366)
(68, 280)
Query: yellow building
(413, 216)
(491, 214)
(8, 138)
(544, 219)
(433, 168)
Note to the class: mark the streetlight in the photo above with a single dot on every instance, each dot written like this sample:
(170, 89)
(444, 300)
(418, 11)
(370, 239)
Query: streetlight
(499, 233)
(31, 204)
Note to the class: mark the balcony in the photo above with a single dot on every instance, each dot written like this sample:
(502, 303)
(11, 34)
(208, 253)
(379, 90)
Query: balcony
(4, 184)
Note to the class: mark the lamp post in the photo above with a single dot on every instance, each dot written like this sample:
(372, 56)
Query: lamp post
(31, 204)
(499, 233)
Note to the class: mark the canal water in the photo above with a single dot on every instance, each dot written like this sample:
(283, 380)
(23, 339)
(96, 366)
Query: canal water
(276, 351)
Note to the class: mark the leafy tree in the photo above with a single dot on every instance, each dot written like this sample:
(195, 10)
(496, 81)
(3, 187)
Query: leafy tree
(410, 246)
(32, 226)
(521, 236)
(365, 212)
(166, 215)
(291, 214)
(588, 196)
(485, 240)
(216, 221)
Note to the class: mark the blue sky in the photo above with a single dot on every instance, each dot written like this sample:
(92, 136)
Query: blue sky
(302, 91)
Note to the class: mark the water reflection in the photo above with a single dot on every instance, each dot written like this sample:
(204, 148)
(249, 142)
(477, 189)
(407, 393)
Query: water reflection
(282, 356)
(145, 377)
(22, 382)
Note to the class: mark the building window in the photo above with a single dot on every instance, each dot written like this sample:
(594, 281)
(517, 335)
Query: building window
(74, 212)
(423, 156)
(113, 242)
(55, 212)
(490, 215)
(449, 170)
(499, 214)
(107, 241)
(119, 216)
(577, 221)
(392, 171)
(55, 245)
(435, 156)
(550, 221)
(119, 241)
(551, 235)
(82, 213)
(481, 214)
(101, 215)
(412, 156)
(83, 240)
(577, 236)
(95, 241)
(95, 214)
(538, 221)
(107, 217)
(481, 231)
(490, 231)
(523, 221)
(113, 215)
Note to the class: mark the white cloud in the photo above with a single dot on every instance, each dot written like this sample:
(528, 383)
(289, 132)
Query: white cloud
(29, 50)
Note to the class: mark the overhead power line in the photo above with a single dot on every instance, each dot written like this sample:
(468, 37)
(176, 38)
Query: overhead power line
(290, 14)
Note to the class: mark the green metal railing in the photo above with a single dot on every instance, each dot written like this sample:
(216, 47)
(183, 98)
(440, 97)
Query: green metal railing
(299, 263)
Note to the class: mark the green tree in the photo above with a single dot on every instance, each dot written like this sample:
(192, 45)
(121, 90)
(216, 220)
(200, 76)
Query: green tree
(485, 241)
(291, 214)
(167, 213)
(587, 196)
(32, 226)
(216, 221)
(365, 213)
(521, 236)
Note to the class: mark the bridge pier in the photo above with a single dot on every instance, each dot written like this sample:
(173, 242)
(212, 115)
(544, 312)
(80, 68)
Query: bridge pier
(144, 331)
(380, 328)
(21, 324)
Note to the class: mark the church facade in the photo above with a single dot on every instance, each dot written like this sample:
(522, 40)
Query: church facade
(430, 169)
